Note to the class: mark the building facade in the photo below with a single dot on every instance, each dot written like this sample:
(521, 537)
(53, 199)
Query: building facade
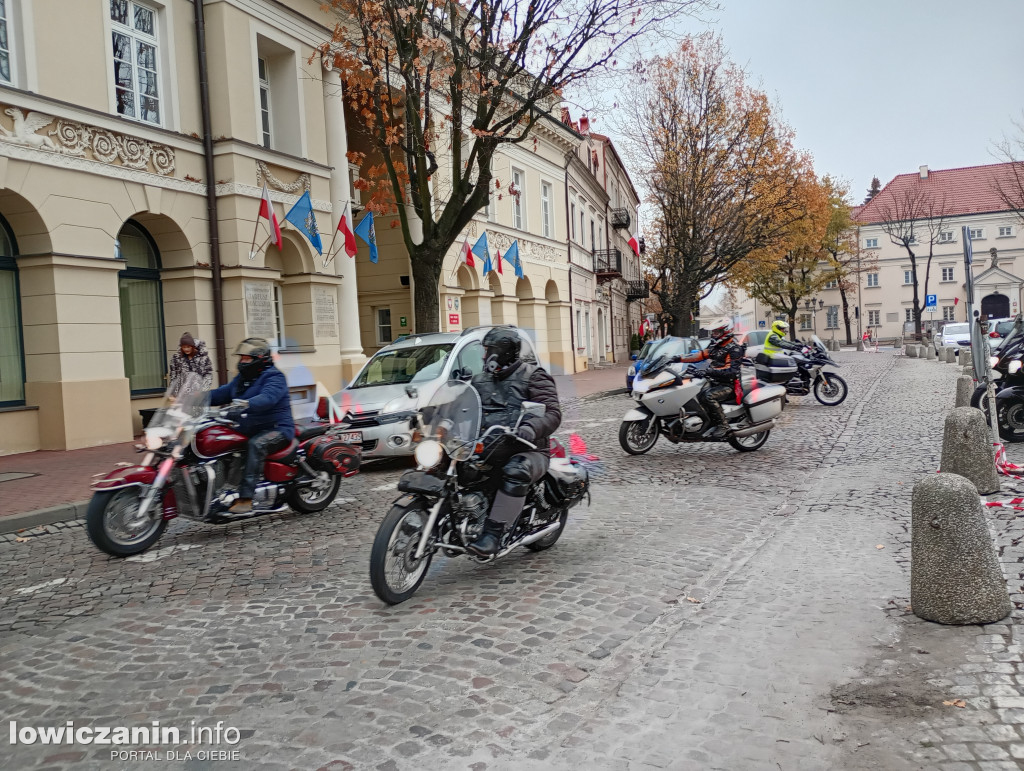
(126, 219)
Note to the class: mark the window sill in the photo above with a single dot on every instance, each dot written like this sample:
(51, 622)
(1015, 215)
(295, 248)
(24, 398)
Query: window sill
(18, 408)
(300, 349)
(1009, 236)
(948, 281)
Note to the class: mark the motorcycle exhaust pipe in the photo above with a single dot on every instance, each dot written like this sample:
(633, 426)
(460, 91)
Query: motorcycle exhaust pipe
(528, 539)
(768, 425)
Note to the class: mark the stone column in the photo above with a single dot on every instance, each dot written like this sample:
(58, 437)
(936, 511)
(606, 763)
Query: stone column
(560, 337)
(352, 357)
(476, 308)
(533, 319)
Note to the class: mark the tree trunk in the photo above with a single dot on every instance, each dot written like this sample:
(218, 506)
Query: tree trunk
(426, 271)
(846, 315)
(917, 297)
(682, 307)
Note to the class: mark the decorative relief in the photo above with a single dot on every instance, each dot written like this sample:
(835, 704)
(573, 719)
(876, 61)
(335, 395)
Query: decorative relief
(81, 140)
(299, 186)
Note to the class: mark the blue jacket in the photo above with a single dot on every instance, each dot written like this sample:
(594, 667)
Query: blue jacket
(270, 404)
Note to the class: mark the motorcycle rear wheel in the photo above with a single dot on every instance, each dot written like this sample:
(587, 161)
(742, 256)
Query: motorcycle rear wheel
(549, 540)
(395, 573)
(309, 499)
(106, 523)
(749, 443)
(830, 390)
(634, 440)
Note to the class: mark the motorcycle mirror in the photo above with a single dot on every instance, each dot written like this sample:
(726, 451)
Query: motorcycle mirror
(534, 408)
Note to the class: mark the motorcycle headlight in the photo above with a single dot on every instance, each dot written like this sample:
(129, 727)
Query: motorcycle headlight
(428, 453)
(1014, 367)
(993, 360)
(156, 437)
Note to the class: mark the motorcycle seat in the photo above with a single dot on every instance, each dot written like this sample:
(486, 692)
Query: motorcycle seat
(305, 433)
(285, 454)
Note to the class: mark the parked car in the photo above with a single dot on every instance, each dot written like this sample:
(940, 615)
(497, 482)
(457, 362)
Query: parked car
(999, 328)
(399, 379)
(670, 346)
(754, 340)
(956, 335)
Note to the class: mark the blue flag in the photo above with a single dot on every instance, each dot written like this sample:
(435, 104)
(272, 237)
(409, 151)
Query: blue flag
(301, 216)
(481, 250)
(366, 232)
(512, 258)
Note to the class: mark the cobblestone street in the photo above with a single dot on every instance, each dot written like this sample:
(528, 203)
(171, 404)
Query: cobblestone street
(710, 609)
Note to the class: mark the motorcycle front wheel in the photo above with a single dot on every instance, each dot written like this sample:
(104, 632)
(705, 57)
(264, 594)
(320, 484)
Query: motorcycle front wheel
(830, 390)
(316, 496)
(395, 573)
(1011, 416)
(111, 526)
(638, 436)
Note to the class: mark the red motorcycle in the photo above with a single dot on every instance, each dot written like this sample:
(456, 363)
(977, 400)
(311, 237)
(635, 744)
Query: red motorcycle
(193, 465)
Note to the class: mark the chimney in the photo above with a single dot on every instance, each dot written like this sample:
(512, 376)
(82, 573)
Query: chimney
(923, 170)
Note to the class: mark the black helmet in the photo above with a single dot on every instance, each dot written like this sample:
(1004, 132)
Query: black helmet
(259, 350)
(502, 347)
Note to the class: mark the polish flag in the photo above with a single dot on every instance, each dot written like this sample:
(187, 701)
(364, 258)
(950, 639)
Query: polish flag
(349, 233)
(467, 254)
(498, 252)
(267, 211)
(634, 245)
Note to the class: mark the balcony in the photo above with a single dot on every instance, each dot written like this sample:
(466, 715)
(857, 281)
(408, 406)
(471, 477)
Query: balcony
(607, 264)
(620, 218)
(637, 290)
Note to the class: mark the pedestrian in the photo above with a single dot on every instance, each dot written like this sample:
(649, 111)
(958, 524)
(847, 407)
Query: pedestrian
(191, 369)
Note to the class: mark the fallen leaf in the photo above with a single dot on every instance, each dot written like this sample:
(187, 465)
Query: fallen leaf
(955, 703)
(21, 540)
(880, 546)
(692, 599)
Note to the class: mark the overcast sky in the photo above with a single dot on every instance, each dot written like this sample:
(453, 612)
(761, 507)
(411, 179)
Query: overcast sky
(880, 87)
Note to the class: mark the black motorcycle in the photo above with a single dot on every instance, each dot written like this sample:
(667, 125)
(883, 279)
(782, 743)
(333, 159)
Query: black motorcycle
(828, 388)
(447, 498)
(1009, 377)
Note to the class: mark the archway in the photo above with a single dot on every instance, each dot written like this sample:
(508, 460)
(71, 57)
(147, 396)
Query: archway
(559, 331)
(476, 302)
(601, 335)
(140, 293)
(12, 373)
(503, 306)
(995, 306)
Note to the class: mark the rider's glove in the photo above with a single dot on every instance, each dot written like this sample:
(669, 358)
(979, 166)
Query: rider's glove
(527, 433)
(234, 413)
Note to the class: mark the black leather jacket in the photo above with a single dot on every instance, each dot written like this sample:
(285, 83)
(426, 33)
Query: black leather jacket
(726, 361)
(502, 397)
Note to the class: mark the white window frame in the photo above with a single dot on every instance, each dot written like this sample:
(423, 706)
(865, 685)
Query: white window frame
(946, 237)
(1006, 231)
(805, 322)
(137, 37)
(949, 313)
(950, 276)
(518, 201)
(7, 21)
(872, 279)
(874, 318)
(976, 234)
(833, 284)
(583, 227)
(377, 325)
(908, 314)
(546, 196)
(572, 220)
(908, 278)
(267, 124)
(870, 243)
(831, 317)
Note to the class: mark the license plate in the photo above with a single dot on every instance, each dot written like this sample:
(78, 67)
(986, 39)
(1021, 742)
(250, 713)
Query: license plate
(351, 437)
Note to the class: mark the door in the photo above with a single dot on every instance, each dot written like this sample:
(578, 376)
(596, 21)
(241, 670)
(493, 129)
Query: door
(995, 306)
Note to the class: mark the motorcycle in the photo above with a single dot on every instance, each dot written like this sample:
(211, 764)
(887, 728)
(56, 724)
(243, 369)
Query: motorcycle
(667, 405)
(446, 499)
(1006, 366)
(193, 465)
(828, 388)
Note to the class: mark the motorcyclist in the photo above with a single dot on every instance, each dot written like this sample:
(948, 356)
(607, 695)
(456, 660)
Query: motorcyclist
(266, 420)
(506, 382)
(777, 342)
(726, 355)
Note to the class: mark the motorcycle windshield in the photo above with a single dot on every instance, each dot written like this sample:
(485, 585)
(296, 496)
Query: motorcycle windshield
(817, 343)
(452, 417)
(174, 414)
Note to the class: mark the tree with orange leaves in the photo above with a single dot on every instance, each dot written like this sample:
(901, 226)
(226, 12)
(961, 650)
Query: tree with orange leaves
(462, 78)
(721, 169)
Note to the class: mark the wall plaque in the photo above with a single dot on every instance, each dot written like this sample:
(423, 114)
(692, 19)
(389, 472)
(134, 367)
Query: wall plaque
(259, 310)
(325, 312)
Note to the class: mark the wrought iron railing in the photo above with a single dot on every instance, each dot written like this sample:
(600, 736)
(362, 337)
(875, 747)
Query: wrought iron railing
(620, 218)
(608, 262)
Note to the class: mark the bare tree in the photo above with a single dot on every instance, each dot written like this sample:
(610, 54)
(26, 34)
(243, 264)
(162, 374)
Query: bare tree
(913, 217)
(467, 77)
(1010, 185)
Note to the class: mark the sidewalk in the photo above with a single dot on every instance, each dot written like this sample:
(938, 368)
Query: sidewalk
(56, 487)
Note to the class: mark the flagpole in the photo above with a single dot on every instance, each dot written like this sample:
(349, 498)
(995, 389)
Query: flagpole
(335, 237)
(255, 230)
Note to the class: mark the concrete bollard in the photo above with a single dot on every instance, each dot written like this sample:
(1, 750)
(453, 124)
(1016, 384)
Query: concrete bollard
(950, 355)
(967, 449)
(860, 345)
(911, 351)
(955, 577)
(929, 353)
(969, 371)
(964, 391)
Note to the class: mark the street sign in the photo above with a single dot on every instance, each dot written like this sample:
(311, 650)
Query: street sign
(761, 323)
(931, 300)
(401, 322)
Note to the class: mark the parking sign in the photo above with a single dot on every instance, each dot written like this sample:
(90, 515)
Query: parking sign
(931, 300)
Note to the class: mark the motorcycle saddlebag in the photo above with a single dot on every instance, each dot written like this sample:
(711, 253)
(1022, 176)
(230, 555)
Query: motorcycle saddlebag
(567, 481)
(774, 369)
(765, 402)
(327, 453)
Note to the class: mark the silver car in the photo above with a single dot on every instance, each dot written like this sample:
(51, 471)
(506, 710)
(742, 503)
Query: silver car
(401, 377)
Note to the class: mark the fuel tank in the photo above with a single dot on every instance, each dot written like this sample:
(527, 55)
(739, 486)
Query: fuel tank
(217, 440)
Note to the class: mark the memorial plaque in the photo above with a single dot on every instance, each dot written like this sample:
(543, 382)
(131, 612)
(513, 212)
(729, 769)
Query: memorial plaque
(325, 312)
(259, 310)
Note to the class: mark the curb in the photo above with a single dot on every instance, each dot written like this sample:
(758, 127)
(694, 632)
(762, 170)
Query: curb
(602, 394)
(12, 523)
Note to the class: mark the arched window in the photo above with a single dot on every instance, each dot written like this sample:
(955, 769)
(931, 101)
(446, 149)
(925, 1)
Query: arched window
(142, 310)
(12, 359)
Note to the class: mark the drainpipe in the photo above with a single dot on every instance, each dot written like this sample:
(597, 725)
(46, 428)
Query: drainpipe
(211, 191)
(568, 240)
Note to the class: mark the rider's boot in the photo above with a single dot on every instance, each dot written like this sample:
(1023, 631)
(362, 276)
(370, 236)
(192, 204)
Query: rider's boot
(720, 426)
(504, 511)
